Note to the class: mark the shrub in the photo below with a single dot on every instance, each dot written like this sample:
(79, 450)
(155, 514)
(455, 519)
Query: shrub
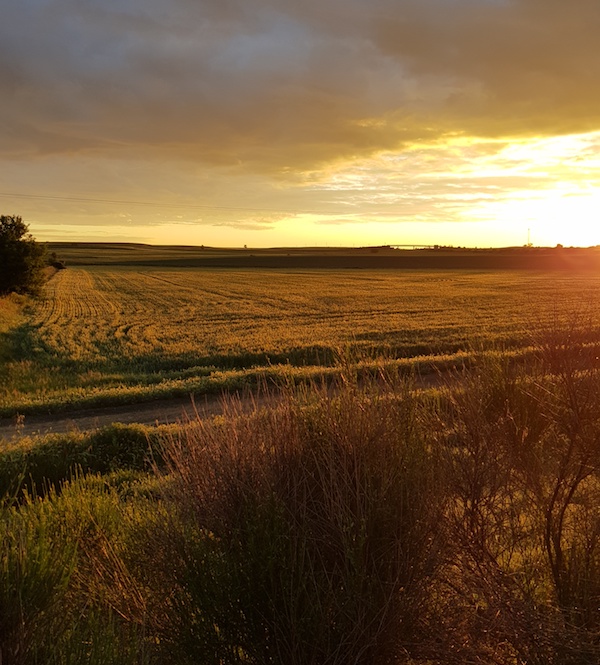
(38, 463)
(522, 446)
(305, 535)
(65, 589)
(36, 565)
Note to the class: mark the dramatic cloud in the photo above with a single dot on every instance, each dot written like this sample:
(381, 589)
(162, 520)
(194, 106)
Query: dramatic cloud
(286, 84)
(290, 106)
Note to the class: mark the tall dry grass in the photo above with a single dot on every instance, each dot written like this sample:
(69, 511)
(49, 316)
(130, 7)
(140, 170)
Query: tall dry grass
(304, 534)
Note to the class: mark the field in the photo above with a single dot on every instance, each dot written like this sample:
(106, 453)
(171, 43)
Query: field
(114, 334)
(371, 519)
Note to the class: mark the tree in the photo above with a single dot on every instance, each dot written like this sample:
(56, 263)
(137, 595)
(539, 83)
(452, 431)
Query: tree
(22, 259)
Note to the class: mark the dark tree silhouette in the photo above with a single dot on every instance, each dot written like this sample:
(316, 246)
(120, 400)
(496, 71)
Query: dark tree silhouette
(22, 259)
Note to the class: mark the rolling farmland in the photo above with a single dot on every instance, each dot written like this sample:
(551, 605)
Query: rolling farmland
(130, 333)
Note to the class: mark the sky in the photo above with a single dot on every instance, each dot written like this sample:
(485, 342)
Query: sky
(302, 122)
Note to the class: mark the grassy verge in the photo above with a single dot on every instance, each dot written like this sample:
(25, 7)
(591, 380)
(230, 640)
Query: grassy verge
(38, 463)
(216, 382)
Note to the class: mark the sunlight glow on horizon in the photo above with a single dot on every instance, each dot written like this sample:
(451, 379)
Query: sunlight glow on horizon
(464, 192)
(390, 122)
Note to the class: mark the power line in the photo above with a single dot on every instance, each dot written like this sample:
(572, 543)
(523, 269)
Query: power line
(196, 206)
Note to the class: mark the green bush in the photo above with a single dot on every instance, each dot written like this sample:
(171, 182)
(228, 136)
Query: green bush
(36, 565)
(66, 596)
(39, 463)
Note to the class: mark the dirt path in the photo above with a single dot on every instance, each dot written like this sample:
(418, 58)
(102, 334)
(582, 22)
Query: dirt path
(157, 412)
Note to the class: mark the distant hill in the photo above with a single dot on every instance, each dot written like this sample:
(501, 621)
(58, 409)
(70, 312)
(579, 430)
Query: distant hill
(182, 256)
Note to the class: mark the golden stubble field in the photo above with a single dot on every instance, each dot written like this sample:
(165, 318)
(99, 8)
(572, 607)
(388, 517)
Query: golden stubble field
(101, 329)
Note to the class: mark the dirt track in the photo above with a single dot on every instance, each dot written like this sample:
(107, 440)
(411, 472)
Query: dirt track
(158, 412)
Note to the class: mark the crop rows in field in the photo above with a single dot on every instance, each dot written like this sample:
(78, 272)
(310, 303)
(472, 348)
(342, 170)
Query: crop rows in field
(106, 327)
(110, 315)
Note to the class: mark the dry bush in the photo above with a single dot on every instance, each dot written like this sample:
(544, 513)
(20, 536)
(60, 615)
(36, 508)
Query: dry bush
(305, 533)
(522, 446)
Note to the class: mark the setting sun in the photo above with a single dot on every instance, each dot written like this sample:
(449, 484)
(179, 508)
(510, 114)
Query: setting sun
(553, 217)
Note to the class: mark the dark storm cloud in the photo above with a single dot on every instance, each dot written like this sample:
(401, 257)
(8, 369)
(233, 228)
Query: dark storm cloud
(279, 86)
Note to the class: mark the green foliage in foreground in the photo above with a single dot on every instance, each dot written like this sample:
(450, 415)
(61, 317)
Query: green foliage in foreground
(52, 608)
(40, 462)
(367, 524)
